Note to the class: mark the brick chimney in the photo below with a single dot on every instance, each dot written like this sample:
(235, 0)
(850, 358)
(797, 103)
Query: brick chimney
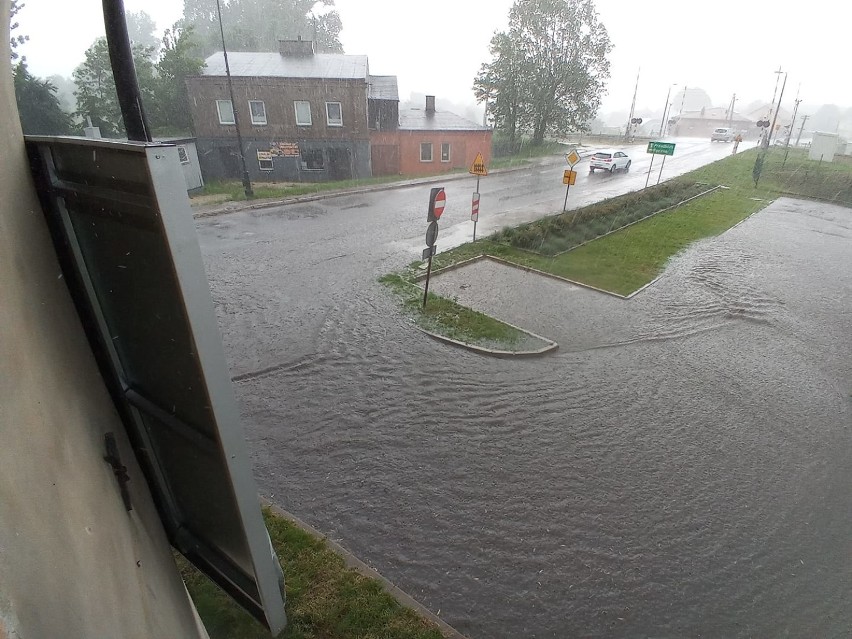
(430, 104)
(297, 47)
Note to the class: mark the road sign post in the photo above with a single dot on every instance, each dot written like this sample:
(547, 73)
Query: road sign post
(478, 169)
(437, 202)
(569, 177)
(659, 148)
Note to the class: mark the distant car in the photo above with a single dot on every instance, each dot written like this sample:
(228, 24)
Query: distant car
(722, 134)
(610, 161)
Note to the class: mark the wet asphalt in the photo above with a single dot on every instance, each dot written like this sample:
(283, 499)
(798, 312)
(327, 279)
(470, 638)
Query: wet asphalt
(680, 468)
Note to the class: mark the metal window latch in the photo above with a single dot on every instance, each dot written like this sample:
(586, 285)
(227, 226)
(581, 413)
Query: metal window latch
(114, 459)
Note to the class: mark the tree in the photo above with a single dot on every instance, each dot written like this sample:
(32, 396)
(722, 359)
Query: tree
(256, 25)
(96, 94)
(177, 61)
(142, 30)
(551, 67)
(15, 40)
(38, 105)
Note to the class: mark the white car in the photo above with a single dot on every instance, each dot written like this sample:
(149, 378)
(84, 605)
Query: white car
(722, 134)
(610, 161)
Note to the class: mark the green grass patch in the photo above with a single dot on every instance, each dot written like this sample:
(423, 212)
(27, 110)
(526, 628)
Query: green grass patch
(325, 599)
(523, 153)
(449, 318)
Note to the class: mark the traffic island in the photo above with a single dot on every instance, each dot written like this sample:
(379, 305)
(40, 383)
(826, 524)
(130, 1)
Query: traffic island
(448, 321)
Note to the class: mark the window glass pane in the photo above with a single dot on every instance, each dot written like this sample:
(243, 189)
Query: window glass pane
(303, 112)
(226, 111)
(312, 159)
(334, 111)
(445, 152)
(258, 111)
(265, 165)
(425, 151)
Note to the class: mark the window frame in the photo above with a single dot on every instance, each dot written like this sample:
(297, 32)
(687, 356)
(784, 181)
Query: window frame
(449, 152)
(296, 104)
(219, 113)
(431, 152)
(270, 167)
(328, 115)
(304, 165)
(251, 112)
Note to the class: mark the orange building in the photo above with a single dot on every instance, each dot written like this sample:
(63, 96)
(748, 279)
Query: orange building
(428, 142)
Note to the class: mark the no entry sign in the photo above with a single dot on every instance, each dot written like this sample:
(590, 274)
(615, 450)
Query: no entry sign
(440, 203)
(437, 202)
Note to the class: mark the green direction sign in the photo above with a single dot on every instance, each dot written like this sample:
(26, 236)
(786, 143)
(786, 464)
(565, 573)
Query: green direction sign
(661, 148)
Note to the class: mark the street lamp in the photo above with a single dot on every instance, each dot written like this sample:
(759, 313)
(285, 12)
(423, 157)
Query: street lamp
(666, 108)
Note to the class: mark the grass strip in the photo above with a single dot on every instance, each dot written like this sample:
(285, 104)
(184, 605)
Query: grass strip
(449, 318)
(325, 599)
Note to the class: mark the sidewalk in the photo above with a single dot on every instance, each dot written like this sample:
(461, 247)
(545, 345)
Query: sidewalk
(210, 210)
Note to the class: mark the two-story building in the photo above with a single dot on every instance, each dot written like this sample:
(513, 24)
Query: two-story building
(303, 115)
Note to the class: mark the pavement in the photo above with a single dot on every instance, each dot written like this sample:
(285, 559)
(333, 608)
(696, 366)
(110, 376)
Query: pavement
(210, 210)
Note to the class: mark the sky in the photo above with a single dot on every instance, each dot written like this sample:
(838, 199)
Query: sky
(437, 47)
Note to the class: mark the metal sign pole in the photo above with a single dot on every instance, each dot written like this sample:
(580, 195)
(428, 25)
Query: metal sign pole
(565, 204)
(428, 273)
(661, 169)
(648, 177)
(477, 212)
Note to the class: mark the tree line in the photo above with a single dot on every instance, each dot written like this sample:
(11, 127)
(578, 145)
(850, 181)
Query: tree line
(162, 64)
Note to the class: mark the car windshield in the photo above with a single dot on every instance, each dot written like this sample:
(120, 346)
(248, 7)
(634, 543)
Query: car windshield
(547, 388)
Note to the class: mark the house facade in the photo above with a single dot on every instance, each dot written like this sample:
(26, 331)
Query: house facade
(428, 141)
(700, 124)
(302, 115)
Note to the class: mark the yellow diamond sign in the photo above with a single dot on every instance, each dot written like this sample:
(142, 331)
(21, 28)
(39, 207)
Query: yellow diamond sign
(478, 166)
(573, 157)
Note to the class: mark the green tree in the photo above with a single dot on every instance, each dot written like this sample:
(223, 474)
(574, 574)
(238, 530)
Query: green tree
(15, 40)
(500, 85)
(170, 112)
(256, 25)
(142, 30)
(38, 104)
(96, 94)
(551, 66)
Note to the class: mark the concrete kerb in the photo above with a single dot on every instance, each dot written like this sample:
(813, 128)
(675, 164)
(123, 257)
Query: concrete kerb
(390, 186)
(351, 561)
(495, 352)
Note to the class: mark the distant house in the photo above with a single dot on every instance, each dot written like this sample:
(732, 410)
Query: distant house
(700, 124)
(311, 117)
(428, 141)
(303, 115)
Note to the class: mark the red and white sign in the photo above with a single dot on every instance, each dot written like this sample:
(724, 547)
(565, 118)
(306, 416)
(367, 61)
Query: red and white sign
(440, 203)
(474, 208)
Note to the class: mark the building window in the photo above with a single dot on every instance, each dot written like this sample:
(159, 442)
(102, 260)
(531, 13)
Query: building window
(265, 165)
(334, 113)
(303, 112)
(226, 111)
(258, 111)
(184, 158)
(445, 152)
(425, 151)
(312, 160)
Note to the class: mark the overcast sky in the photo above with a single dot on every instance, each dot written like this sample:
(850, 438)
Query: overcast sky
(437, 46)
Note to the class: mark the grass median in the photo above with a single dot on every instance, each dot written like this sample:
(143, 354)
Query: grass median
(324, 598)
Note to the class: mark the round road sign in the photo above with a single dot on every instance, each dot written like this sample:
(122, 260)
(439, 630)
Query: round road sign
(440, 203)
(431, 233)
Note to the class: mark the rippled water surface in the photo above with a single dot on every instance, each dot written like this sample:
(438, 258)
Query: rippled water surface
(681, 467)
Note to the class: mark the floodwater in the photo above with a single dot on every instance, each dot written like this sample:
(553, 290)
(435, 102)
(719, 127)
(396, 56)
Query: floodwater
(681, 467)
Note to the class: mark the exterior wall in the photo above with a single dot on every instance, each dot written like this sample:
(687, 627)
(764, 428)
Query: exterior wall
(341, 146)
(73, 561)
(341, 160)
(464, 145)
(692, 127)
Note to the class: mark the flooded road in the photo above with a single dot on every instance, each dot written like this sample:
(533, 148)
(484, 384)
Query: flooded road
(681, 467)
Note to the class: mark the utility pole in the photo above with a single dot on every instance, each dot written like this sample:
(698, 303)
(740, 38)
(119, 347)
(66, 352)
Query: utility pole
(682, 101)
(246, 180)
(793, 121)
(775, 118)
(665, 108)
(802, 128)
(632, 107)
(731, 110)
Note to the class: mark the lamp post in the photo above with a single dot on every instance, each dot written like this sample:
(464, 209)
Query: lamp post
(778, 108)
(665, 109)
(246, 180)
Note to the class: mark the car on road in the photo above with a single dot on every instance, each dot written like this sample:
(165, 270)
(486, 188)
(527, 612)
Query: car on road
(609, 160)
(722, 134)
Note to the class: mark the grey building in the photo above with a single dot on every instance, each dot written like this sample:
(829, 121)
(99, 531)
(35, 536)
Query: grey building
(304, 116)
